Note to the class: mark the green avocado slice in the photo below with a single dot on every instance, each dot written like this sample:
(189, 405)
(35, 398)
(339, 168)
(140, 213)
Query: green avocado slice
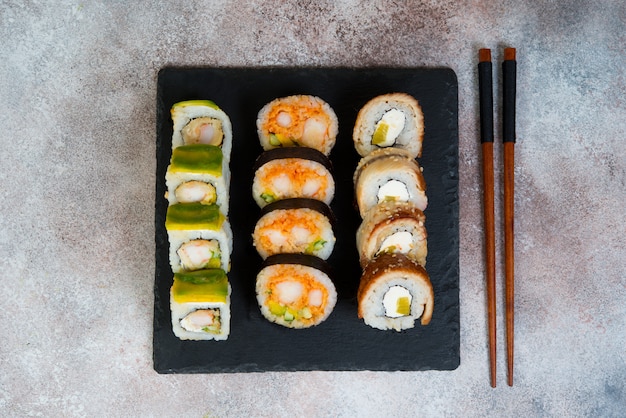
(187, 103)
(197, 158)
(186, 216)
(209, 285)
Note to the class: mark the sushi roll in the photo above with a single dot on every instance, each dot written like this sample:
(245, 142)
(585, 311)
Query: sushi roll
(295, 290)
(393, 227)
(198, 249)
(394, 292)
(389, 174)
(390, 120)
(284, 173)
(200, 237)
(200, 305)
(198, 173)
(295, 226)
(297, 121)
(201, 122)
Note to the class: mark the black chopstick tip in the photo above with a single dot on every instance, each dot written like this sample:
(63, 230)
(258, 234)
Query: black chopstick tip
(509, 54)
(484, 55)
(509, 87)
(485, 88)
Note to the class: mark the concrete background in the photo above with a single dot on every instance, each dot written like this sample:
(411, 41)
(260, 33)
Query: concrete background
(77, 175)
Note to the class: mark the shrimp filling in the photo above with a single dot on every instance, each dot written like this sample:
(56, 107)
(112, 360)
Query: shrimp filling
(202, 320)
(297, 125)
(302, 179)
(199, 254)
(196, 191)
(298, 297)
(203, 130)
(283, 119)
(298, 232)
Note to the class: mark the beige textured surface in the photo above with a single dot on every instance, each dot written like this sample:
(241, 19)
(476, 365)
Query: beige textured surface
(77, 89)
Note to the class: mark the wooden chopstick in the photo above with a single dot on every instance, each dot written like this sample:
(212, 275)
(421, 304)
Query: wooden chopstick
(509, 70)
(485, 85)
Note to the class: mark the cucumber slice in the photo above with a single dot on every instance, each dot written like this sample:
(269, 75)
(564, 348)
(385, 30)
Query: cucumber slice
(380, 134)
(403, 306)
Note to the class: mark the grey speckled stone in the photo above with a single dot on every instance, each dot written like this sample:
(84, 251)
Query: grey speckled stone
(77, 89)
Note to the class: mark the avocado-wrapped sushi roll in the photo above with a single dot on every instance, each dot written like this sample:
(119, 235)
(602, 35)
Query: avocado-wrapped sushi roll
(389, 120)
(201, 122)
(297, 121)
(200, 237)
(389, 174)
(198, 173)
(284, 173)
(295, 290)
(394, 292)
(200, 305)
(200, 248)
(393, 227)
(295, 226)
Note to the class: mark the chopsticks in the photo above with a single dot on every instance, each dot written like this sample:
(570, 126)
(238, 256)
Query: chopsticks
(509, 70)
(486, 137)
(509, 87)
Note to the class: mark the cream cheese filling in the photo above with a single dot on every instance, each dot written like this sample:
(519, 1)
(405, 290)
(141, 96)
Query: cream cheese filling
(389, 127)
(393, 190)
(398, 242)
(395, 302)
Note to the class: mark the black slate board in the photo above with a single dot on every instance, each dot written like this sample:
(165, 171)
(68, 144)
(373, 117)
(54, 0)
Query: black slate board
(342, 342)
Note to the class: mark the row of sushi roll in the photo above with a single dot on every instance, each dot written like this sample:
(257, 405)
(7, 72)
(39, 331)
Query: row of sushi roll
(199, 233)
(390, 192)
(294, 186)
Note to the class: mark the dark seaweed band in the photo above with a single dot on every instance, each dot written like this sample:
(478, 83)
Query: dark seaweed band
(509, 70)
(304, 153)
(301, 203)
(485, 86)
(299, 259)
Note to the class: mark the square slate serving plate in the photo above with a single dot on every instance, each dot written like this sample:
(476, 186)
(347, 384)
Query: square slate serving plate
(342, 342)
